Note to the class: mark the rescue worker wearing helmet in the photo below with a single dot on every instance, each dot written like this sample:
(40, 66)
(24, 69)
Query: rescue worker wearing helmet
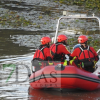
(86, 55)
(42, 56)
(58, 50)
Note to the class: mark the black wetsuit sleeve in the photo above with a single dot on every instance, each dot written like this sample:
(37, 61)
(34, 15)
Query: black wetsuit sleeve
(49, 59)
(70, 57)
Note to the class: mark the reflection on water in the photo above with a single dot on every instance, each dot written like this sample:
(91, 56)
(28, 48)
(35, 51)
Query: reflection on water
(17, 87)
(7, 47)
(19, 42)
(15, 43)
(57, 95)
(21, 91)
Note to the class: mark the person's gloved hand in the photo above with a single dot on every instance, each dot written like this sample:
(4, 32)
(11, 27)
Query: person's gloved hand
(71, 61)
(50, 63)
(65, 63)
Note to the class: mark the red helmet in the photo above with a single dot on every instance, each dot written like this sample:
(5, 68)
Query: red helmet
(45, 40)
(61, 38)
(82, 39)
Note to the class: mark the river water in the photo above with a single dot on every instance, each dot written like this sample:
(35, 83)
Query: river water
(19, 53)
(17, 46)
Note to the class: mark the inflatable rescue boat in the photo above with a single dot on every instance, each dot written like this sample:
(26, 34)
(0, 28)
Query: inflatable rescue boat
(67, 77)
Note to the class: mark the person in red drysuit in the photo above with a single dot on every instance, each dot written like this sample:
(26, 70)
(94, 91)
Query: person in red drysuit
(59, 50)
(42, 56)
(85, 55)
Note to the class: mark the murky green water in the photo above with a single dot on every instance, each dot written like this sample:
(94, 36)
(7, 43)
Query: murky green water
(19, 42)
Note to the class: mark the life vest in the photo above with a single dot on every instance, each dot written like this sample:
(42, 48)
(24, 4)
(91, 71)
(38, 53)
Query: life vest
(53, 48)
(38, 60)
(39, 54)
(87, 58)
(86, 54)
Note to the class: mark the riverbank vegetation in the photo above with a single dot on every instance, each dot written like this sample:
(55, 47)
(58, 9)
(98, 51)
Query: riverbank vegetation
(13, 19)
(88, 4)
